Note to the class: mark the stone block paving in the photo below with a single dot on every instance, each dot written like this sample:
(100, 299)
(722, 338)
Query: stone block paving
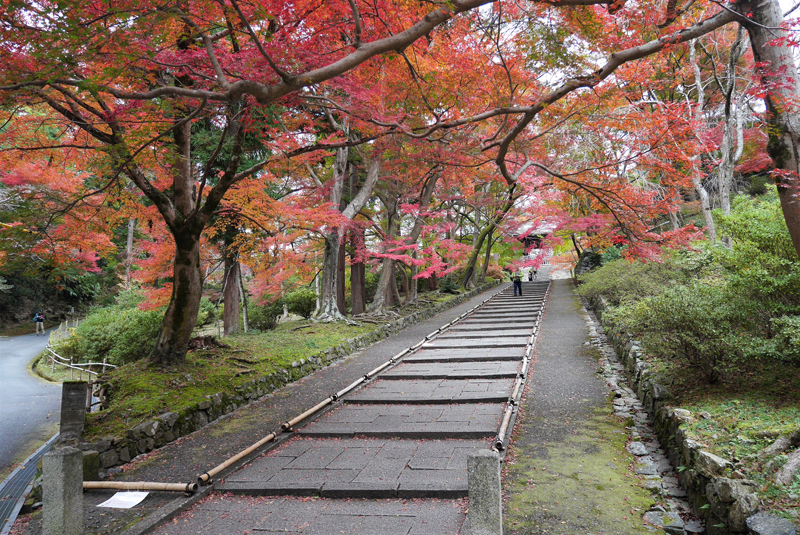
(406, 435)
(359, 467)
(454, 370)
(477, 343)
(443, 421)
(468, 334)
(237, 515)
(461, 354)
(434, 391)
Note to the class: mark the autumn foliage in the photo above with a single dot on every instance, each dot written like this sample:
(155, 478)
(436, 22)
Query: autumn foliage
(294, 138)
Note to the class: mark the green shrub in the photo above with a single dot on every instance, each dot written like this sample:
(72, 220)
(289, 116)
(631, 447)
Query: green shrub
(302, 302)
(621, 281)
(122, 335)
(699, 322)
(449, 284)
(787, 338)
(265, 317)
(610, 254)
(206, 313)
(129, 298)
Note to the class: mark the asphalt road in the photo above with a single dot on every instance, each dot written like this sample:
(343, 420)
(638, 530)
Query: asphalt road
(29, 405)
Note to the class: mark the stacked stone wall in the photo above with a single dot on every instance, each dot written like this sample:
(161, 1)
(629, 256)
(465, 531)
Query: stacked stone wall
(715, 488)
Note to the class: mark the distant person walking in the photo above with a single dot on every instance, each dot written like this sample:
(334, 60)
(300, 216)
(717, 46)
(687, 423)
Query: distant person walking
(38, 319)
(517, 278)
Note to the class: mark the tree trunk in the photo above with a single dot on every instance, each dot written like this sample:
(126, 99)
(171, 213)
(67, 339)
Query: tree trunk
(732, 137)
(413, 283)
(340, 280)
(243, 296)
(329, 309)
(358, 273)
(487, 257)
(231, 296)
(176, 330)
(328, 306)
(404, 282)
(697, 179)
(779, 75)
(489, 227)
(129, 252)
(705, 205)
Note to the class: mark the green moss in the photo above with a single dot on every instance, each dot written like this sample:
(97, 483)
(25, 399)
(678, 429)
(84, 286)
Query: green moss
(579, 485)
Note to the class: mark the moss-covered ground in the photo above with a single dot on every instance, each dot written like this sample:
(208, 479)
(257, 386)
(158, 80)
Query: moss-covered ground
(139, 392)
(581, 484)
(741, 421)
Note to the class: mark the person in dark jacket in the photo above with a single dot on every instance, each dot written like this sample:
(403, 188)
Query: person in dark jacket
(38, 319)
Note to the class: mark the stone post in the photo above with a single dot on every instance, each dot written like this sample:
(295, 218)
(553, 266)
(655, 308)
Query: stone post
(73, 409)
(62, 492)
(485, 498)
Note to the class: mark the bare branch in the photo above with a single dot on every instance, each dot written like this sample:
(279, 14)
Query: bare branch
(287, 79)
(357, 23)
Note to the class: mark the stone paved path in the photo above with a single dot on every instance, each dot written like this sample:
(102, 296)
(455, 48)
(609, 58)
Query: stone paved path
(434, 413)
(390, 457)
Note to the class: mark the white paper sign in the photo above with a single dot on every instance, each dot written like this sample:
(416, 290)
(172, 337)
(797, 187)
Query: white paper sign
(124, 500)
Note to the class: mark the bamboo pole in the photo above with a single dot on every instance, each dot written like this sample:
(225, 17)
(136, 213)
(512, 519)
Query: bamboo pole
(499, 442)
(516, 390)
(350, 387)
(524, 369)
(297, 419)
(206, 478)
(188, 488)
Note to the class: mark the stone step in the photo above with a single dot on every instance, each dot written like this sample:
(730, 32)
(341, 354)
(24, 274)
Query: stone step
(408, 421)
(438, 343)
(453, 370)
(461, 334)
(519, 320)
(433, 391)
(483, 327)
(466, 355)
(358, 468)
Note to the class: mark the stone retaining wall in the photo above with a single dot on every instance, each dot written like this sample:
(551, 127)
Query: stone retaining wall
(109, 452)
(716, 489)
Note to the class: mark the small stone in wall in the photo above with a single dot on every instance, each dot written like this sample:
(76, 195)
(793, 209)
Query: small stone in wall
(637, 448)
(769, 524)
(669, 522)
(711, 465)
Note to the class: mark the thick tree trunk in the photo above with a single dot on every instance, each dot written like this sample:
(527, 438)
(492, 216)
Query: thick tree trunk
(358, 287)
(331, 274)
(243, 295)
(328, 306)
(404, 282)
(487, 257)
(779, 75)
(176, 330)
(358, 273)
(231, 296)
(413, 283)
(705, 205)
(384, 296)
(340, 280)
